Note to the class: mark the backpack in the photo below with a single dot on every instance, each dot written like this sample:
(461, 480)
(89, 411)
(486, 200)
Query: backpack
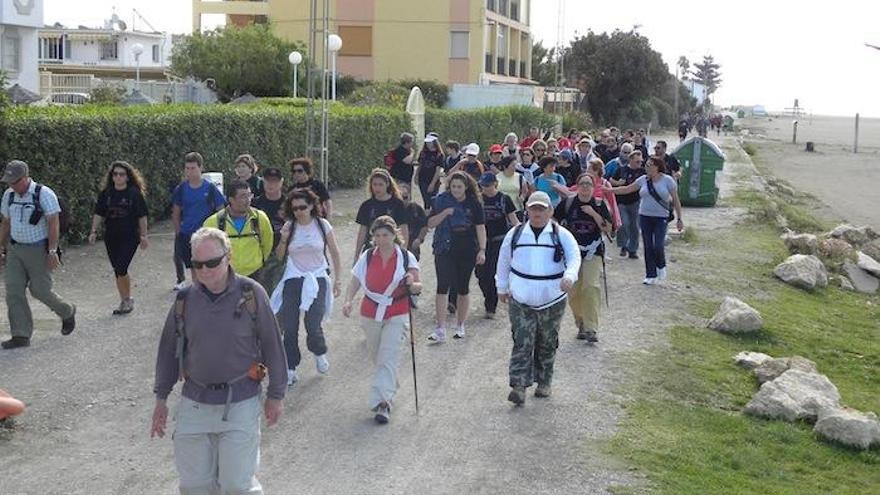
(558, 251)
(389, 159)
(323, 237)
(63, 216)
(255, 228)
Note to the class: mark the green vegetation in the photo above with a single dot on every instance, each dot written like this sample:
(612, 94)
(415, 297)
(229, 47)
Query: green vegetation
(750, 149)
(684, 428)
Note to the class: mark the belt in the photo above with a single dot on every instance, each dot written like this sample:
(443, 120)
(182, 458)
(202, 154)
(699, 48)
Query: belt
(222, 386)
(28, 244)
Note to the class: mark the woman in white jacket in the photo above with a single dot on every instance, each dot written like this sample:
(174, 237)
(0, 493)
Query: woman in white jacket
(305, 240)
(389, 275)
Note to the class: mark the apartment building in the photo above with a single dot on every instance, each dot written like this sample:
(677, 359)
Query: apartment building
(19, 21)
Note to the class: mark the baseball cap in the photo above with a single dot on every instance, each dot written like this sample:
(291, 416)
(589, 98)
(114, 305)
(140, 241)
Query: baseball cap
(472, 149)
(566, 155)
(272, 173)
(539, 198)
(430, 138)
(487, 179)
(496, 148)
(15, 170)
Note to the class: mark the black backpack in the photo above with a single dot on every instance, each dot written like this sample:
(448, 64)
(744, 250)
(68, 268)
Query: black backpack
(63, 216)
(558, 251)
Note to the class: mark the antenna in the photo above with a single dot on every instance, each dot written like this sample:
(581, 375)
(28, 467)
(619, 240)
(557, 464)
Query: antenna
(141, 17)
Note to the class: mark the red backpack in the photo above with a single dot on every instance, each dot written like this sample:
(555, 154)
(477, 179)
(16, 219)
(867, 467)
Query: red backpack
(389, 159)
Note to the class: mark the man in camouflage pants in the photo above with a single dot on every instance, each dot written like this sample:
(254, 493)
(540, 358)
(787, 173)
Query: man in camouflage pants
(538, 265)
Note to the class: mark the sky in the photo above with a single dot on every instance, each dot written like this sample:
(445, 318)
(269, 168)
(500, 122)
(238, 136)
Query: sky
(770, 52)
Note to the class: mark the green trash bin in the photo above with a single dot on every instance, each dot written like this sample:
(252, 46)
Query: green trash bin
(701, 164)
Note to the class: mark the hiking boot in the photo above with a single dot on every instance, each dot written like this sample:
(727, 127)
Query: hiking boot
(322, 364)
(125, 307)
(459, 332)
(438, 336)
(517, 395)
(623, 253)
(582, 332)
(291, 377)
(591, 337)
(383, 413)
(542, 391)
(68, 324)
(15, 342)
(633, 256)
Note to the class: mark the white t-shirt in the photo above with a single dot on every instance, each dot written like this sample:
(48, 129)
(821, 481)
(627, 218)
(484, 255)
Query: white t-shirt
(307, 248)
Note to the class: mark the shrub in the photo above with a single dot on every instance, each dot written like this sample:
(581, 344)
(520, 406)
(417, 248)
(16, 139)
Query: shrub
(108, 94)
(70, 148)
(384, 94)
(436, 93)
(576, 120)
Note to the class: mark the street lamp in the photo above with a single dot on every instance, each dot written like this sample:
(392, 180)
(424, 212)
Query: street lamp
(295, 58)
(334, 44)
(137, 50)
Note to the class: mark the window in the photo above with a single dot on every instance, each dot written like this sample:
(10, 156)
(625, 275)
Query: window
(490, 5)
(51, 49)
(502, 7)
(459, 44)
(156, 54)
(514, 10)
(357, 41)
(11, 52)
(67, 49)
(110, 50)
(490, 65)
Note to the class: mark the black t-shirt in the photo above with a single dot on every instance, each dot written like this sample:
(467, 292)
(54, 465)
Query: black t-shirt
(121, 211)
(428, 163)
(451, 161)
(372, 209)
(315, 186)
(672, 164)
(402, 172)
(584, 228)
(496, 209)
(256, 185)
(628, 175)
(418, 220)
(569, 173)
(463, 223)
(272, 209)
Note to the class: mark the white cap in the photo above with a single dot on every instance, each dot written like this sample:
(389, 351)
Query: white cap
(539, 198)
(472, 149)
(430, 138)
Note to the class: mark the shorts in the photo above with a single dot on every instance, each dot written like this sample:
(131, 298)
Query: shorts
(454, 271)
(121, 252)
(183, 249)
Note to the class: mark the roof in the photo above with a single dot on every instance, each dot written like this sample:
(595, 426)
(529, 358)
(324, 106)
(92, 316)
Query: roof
(22, 96)
(705, 142)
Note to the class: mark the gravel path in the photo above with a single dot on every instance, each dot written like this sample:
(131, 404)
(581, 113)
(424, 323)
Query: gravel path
(86, 430)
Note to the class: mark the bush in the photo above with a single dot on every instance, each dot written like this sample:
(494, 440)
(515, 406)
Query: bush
(383, 94)
(108, 94)
(576, 120)
(664, 111)
(70, 148)
(436, 93)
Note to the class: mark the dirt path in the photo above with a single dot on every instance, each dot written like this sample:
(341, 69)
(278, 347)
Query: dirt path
(89, 395)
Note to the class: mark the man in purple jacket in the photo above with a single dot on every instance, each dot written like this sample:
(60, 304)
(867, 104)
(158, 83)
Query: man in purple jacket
(222, 339)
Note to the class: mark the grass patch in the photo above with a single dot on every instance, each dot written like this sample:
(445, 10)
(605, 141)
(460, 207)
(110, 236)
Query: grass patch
(684, 428)
(750, 149)
(690, 235)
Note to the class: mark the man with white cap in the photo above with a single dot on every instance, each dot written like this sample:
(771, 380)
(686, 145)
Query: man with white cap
(538, 265)
(469, 164)
(31, 225)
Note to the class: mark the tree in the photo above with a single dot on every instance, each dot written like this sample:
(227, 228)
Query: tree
(543, 65)
(706, 73)
(615, 72)
(241, 60)
(683, 64)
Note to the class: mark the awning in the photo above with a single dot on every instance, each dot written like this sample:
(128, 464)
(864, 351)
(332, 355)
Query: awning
(91, 36)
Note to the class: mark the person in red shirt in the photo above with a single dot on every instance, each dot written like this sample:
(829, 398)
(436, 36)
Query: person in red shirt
(534, 134)
(387, 280)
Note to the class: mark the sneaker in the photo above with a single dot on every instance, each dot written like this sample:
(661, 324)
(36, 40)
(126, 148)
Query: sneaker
(68, 324)
(591, 337)
(661, 273)
(650, 280)
(383, 413)
(291, 377)
(490, 315)
(542, 391)
(15, 342)
(633, 256)
(517, 395)
(438, 336)
(125, 307)
(459, 332)
(623, 253)
(180, 286)
(322, 364)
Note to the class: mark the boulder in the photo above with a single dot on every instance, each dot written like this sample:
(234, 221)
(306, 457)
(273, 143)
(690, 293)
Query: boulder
(872, 249)
(861, 280)
(868, 264)
(751, 360)
(849, 427)
(803, 271)
(794, 395)
(853, 235)
(845, 284)
(801, 243)
(836, 249)
(735, 316)
(774, 368)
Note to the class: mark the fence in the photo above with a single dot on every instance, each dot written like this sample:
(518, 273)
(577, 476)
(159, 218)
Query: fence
(75, 88)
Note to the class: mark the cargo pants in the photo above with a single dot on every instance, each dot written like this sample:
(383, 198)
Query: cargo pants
(535, 339)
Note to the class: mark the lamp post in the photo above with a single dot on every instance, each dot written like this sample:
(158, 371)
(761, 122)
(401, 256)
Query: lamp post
(295, 58)
(334, 44)
(137, 50)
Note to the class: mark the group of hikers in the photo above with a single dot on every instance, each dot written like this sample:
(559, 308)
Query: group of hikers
(531, 219)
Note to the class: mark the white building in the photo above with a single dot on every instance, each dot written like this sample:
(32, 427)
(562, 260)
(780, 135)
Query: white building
(107, 53)
(19, 21)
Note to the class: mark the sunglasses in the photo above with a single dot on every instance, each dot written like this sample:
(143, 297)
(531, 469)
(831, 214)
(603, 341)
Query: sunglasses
(300, 208)
(211, 263)
(299, 171)
(585, 184)
(120, 174)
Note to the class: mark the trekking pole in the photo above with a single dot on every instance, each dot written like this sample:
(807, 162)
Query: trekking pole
(412, 346)
(605, 275)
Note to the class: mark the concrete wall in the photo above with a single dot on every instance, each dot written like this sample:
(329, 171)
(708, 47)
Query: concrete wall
(479, 96)
(23, 23)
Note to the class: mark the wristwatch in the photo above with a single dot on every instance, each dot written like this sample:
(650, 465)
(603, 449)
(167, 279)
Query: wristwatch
(53, 251)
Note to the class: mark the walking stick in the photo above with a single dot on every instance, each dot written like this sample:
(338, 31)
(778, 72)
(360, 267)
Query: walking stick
(605, 275)
(412, 346)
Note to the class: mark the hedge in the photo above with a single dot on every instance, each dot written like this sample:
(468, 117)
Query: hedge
(70, 148)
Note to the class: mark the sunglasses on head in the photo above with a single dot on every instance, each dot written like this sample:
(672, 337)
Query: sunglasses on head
(211, 263)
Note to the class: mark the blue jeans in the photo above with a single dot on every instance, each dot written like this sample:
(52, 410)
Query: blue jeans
(654, 238)
(628, 235)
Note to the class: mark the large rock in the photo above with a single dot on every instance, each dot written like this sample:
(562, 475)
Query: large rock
(836, 249)
(849, 427)
(735, 316)
(861, 280)
(872, 249)
(751, 360)
(774, 368)
(803, 271)
(794, 395)
(845, 284)
(801, 243)
(854, 235)
(868, 264)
